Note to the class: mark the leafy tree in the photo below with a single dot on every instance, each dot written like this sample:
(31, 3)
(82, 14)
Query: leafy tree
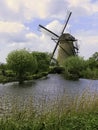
(90, 74)
(43, 60)
(21, 61)
(3, 68)
(93, 61)
(76, 67)
(91, 68)
(95, 56)
(73, 67)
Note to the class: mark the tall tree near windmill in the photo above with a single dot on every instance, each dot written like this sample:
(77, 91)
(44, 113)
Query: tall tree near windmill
(66, 42)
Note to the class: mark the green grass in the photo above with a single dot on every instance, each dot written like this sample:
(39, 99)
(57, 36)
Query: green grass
(81, 113)
(85, 121)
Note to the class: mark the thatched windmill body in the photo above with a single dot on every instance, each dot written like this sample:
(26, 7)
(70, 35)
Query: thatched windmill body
(66, 42)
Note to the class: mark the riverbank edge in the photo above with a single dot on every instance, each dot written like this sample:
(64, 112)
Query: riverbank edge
(7, 79)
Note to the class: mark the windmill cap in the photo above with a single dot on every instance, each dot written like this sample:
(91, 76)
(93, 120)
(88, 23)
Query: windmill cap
(67, 37)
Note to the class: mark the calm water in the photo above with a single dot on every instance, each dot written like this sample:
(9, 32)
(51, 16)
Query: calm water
(48, 89)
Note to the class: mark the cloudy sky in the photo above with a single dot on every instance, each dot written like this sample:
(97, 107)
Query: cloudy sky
(19, 20)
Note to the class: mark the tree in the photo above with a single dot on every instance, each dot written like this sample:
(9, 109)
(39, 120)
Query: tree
(73, 67)
(21, 61)
(3, 68)
(95, 56)
(91, 69)
(93, 61)
(43, 60)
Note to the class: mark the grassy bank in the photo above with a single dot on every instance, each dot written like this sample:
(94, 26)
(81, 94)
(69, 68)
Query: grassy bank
(81, 113)
(86, 121)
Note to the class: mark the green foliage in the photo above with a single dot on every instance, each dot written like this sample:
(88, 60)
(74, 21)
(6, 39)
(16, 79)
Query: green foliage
(10, 73)
(76, 67)
(3, 68)
(95, 56)
(93, 61)
(43, 61)
(4, 79)
(73, 66)
(91, 67)
(22, 65)
(21, 61)
(90, 73)
(40, 75)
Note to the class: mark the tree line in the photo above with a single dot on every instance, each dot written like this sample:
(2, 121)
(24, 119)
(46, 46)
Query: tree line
(24, 65)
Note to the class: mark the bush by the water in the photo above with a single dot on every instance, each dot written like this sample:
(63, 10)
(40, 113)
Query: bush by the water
(73, 67)
(90, 73)
(76, 67)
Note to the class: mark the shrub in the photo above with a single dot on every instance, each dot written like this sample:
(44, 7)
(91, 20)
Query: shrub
(73, 67)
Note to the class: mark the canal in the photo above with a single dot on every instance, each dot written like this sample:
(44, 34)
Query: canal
(44, 91)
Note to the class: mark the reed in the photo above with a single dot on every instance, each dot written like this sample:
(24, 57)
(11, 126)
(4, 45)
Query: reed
(64, 113)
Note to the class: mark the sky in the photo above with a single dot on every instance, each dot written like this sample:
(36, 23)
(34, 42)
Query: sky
(19, 20)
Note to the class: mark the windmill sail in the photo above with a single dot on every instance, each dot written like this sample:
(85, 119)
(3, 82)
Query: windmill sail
(48, 32)
(65, 42)
(61, 35)
(66, 22)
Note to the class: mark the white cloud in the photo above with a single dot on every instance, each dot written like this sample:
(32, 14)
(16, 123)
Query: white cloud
(13, 5)
(12, 32)
(11, 27)
(31, 36)
(83, 7)
(55, 26)
(21, 10)
(88, 43)
(15, 13)
(16, 36)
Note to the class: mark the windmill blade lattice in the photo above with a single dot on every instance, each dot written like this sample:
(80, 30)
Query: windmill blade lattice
(61, 34)
(65, 41)
(66, 22)
(47, 31)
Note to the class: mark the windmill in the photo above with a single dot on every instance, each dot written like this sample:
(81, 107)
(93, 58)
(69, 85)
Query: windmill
(66, 42)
